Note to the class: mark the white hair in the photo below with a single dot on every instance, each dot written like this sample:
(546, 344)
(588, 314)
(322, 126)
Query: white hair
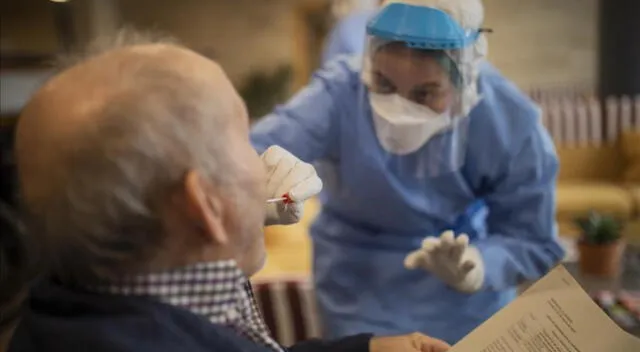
(104, 219)
(124, 37)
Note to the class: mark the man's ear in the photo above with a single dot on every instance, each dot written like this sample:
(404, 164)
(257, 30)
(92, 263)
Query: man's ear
(205, 208)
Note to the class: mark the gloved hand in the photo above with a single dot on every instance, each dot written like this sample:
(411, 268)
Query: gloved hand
(288, 175)
(450, 259)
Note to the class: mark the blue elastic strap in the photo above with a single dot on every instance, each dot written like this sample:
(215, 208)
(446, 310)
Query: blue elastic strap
(420, 27)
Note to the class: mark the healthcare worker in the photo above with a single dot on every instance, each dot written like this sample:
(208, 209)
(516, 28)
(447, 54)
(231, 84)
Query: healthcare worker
(348, 36)
(410, 137)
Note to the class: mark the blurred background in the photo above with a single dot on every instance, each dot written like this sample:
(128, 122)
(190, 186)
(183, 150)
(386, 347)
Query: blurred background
(277, 43)
(579, 59)
(269, 48)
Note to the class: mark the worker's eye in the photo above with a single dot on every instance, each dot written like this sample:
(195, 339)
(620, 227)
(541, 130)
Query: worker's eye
(420, 96)
(382, 85)
(426, 94)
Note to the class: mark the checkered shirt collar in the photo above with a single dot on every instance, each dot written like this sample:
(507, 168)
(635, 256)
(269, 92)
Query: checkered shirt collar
(217, 290)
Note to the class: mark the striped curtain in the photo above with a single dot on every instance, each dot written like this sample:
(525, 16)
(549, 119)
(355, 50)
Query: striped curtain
(577, 119)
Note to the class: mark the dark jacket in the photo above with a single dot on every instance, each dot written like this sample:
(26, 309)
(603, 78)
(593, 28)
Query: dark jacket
(63, 319)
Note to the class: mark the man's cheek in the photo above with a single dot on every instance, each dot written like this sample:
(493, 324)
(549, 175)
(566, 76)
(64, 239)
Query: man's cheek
(259, 185)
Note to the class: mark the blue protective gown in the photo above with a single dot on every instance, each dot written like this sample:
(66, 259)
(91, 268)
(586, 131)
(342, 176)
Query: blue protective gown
(347, 37)
(372, 216)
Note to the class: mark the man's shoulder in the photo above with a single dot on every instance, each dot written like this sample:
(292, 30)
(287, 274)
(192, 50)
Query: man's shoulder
(69, 320)
(141, 337)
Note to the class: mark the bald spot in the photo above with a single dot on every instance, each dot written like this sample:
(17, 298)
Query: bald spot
(71, 104)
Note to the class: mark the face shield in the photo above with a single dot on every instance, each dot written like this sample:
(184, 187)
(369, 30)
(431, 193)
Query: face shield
(419, 79)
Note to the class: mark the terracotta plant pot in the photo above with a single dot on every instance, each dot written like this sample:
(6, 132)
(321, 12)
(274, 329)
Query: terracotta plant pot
(601, 260)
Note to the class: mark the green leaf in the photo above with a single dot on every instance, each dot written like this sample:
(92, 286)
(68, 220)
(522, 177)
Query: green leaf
(599, 229)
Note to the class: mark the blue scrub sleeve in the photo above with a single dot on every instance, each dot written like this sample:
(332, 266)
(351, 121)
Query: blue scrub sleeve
(306, 125)
(335, 45)
(347, 37)
(522, 244)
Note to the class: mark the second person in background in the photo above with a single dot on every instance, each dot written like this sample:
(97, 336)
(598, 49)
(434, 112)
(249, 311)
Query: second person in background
(410, 137)
(347, 37)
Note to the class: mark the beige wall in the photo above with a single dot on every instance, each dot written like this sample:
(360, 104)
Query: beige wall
(27, 26)
(95, 18)
(544, 42)
(243, 34)
(535, 42)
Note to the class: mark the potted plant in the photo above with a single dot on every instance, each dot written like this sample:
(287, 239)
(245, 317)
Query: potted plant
(263, 90)
(600, 245)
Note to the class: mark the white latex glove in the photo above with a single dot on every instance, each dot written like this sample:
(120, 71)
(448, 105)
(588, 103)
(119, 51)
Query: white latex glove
(288, 175)
(451, 259)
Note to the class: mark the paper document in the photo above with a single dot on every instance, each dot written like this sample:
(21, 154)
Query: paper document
(553, 315)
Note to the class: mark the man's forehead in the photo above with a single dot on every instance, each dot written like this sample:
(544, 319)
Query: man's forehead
(77, 94)
(150, 82)
(92, 81)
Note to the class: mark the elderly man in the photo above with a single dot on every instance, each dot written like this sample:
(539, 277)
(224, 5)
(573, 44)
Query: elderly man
(141, 186)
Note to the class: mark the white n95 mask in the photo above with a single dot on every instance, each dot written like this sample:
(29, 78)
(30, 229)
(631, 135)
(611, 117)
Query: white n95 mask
(402, 126)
